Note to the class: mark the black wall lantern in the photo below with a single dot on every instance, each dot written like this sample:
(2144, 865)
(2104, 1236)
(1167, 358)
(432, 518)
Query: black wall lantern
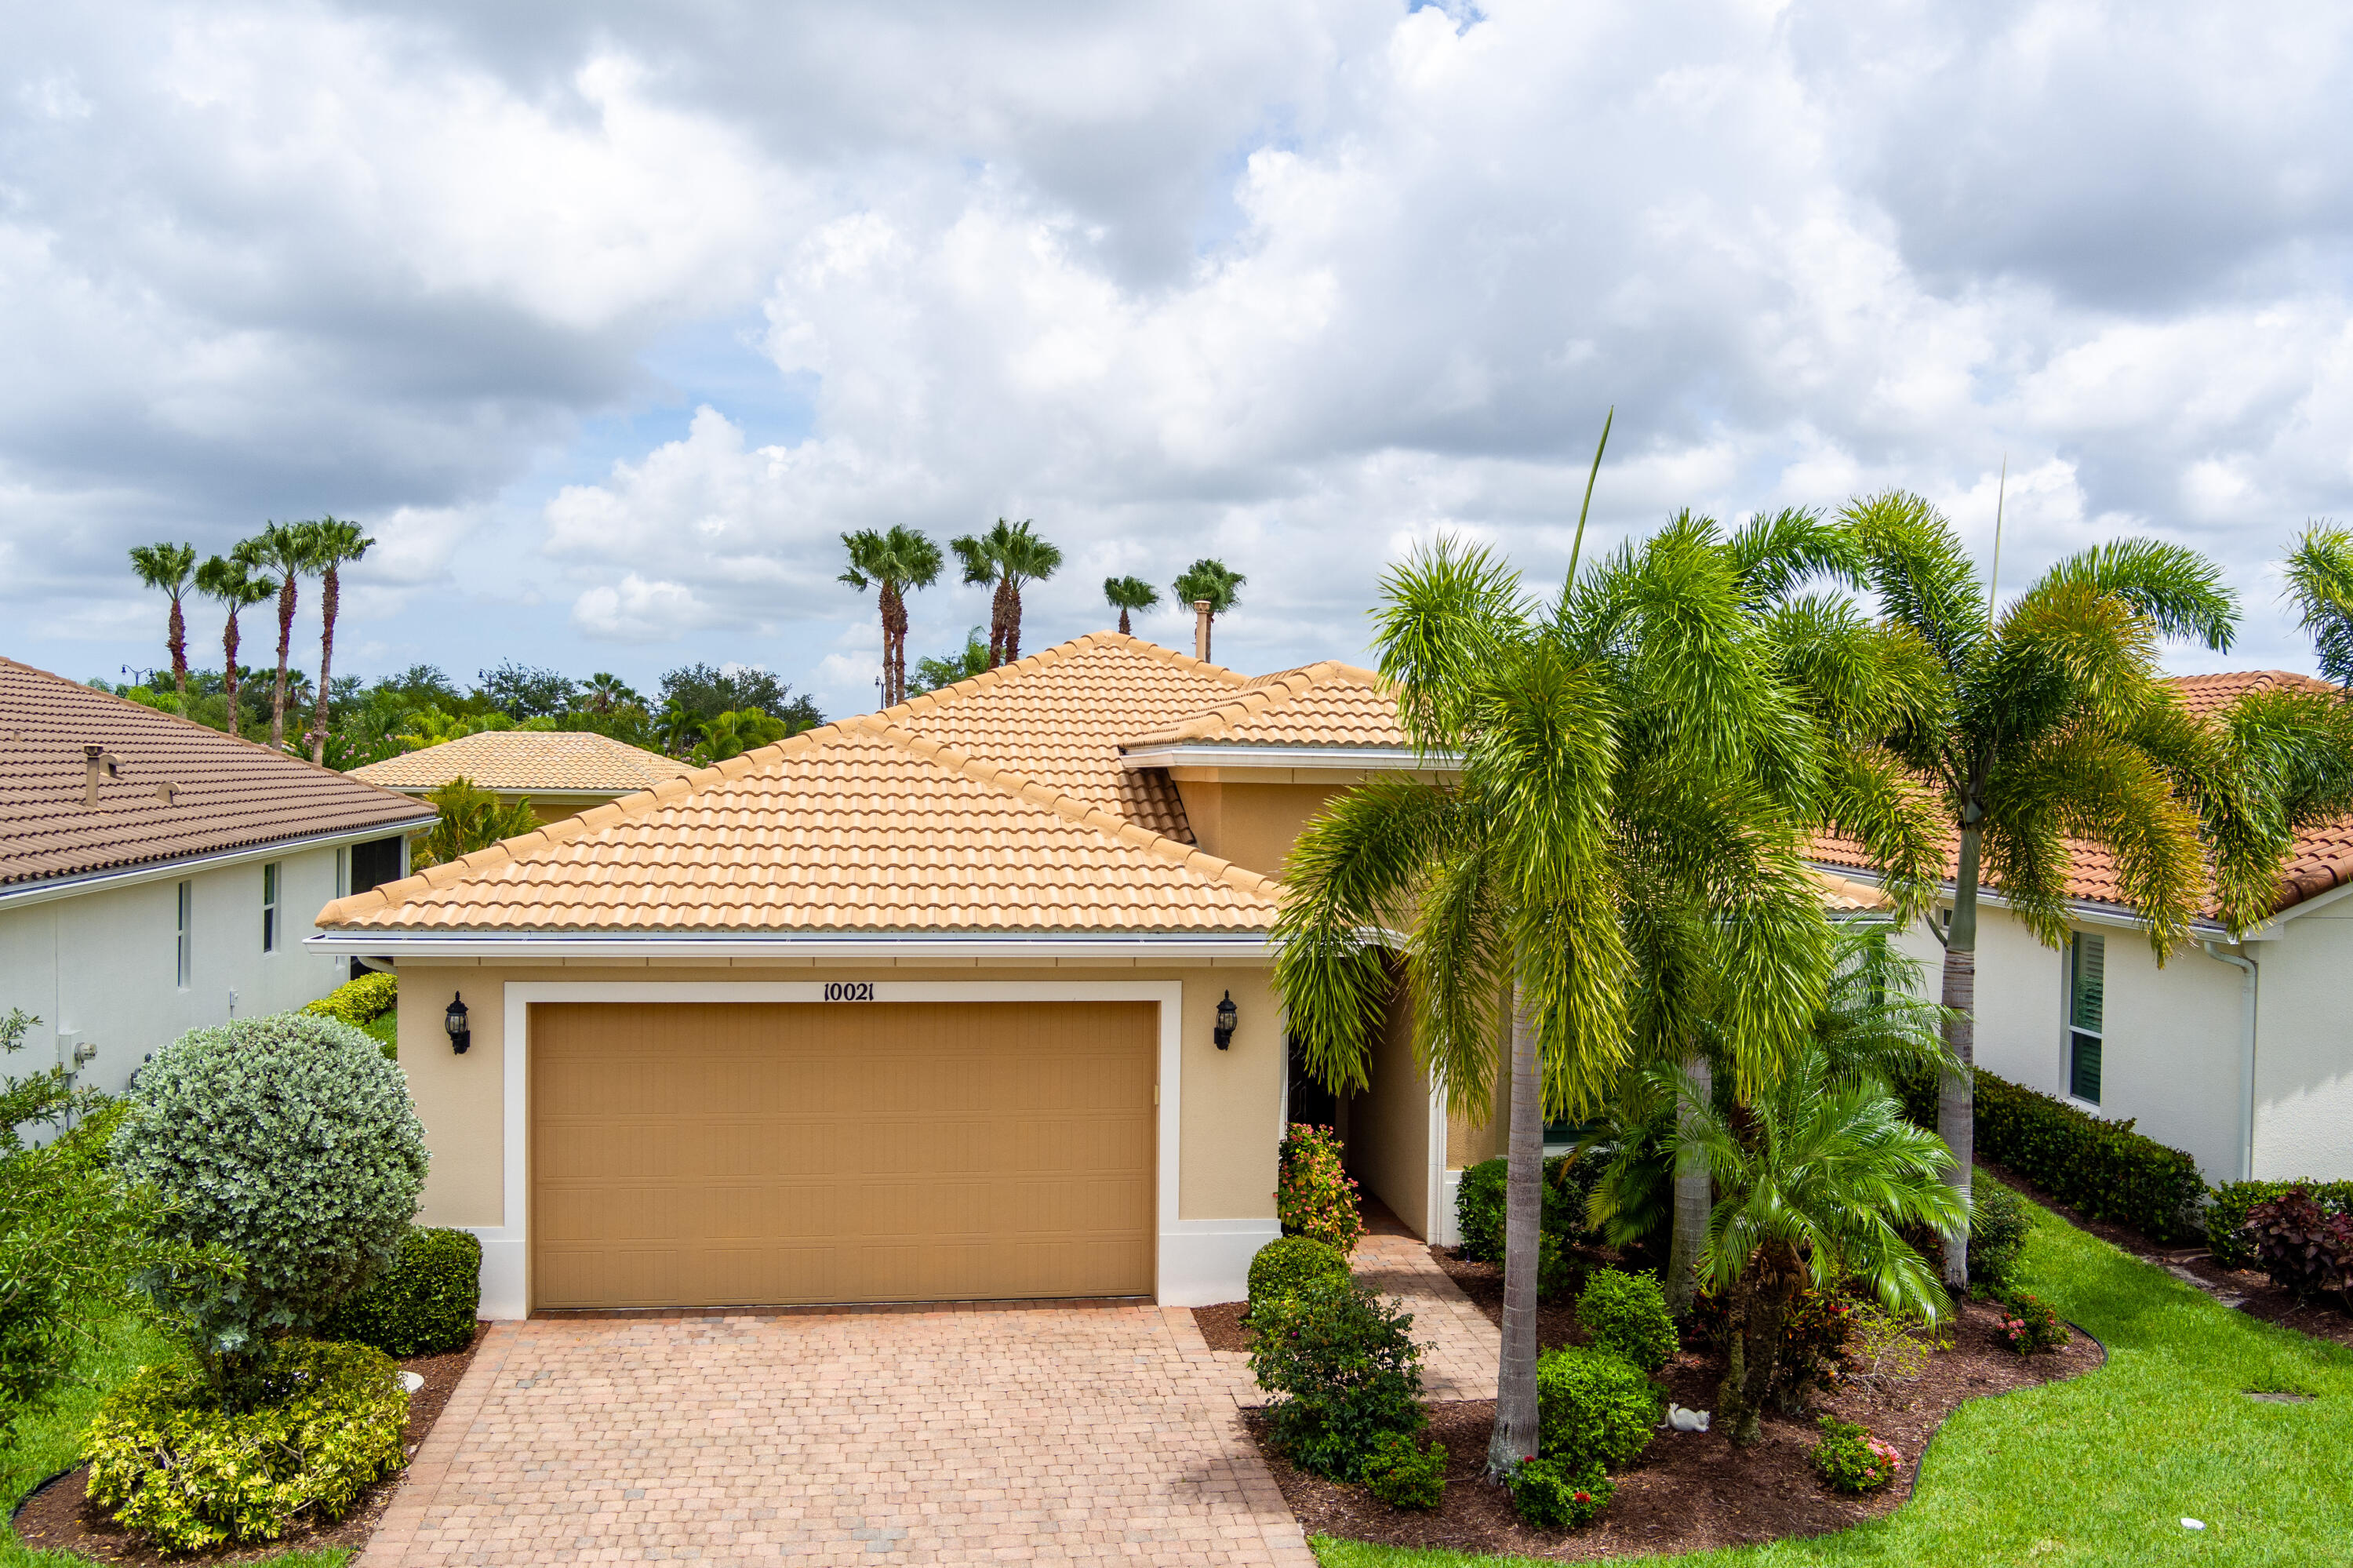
(461, 1037)
(1227, 1019)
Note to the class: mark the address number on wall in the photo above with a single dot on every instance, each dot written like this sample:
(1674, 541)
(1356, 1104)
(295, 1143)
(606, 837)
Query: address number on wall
(850, 990)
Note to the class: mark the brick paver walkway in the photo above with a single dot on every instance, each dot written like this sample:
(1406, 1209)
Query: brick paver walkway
(1460, 1347)
(1088, 1434)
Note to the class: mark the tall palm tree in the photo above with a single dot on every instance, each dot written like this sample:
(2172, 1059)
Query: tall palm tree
(334, 543)
(2055, 725)
(1008, 554)
(289, 550)
(1219, 585)
(1127, 594)
(892, 563)
(169, 568)
(231, 581)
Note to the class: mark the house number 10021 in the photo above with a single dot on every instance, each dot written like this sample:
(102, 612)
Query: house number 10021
(850, 990)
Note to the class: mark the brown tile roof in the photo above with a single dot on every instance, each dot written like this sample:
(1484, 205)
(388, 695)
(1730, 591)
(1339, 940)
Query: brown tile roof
(1328, 704)
(2321, 859)
(228, 794)
(520, 760)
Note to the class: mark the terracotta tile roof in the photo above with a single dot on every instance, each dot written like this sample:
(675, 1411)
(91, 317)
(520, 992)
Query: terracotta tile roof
(2321, 857)
(518, 761)
(227, 793)
(1840, 896)
(1328, 704)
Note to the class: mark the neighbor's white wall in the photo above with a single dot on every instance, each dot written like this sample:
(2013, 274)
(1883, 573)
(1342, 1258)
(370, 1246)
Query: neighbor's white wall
(2303, 1048)
(102, 963)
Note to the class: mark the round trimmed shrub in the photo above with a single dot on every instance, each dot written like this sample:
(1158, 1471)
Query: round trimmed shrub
(1349, 1374)
(1551, 1494)
(1626, 1314)
(1594, 1410)
(1287, 1263)
(423, 1305)
(290, 1142)
(188, 1473)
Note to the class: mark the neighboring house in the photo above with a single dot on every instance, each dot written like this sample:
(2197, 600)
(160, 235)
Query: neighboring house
(156, 876)
(2240, 1053)
(560, 772)
(923, 1004)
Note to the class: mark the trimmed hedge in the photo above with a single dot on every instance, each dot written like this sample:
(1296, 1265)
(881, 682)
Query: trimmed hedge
(1286, 1265)
(1479, 1203)
(359, 1002)
(2226, 1217)
(424, 1304)
(1594, 1410)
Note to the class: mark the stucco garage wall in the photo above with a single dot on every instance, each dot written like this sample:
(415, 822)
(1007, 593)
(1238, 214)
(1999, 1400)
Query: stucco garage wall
(2303, 1056)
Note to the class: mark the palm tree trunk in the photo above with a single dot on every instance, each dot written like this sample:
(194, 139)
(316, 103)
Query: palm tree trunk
(179, 653)
(1695, 1194)
(285, 639)
(1123, 630)
(1515, 1433)
(1752, 1337)
(894, 646)
(327, 597)
(998, 615)
(1012, 624)
(1956, 1102)
(228, 677)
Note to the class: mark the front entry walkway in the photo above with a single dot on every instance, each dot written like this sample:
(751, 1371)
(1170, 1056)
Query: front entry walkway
(1064, 1434)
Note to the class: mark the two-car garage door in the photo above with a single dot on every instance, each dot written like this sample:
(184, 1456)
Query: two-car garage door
(730, 1154)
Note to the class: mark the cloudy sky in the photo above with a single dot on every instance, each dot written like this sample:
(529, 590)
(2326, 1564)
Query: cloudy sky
(608, 318)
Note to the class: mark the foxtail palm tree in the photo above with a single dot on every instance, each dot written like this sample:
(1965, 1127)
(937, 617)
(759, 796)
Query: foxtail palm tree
(169, 568)
(231, 582)
(289, 550)
(891, 563)
(1220, 586)
(1127, 594)
(1008, 554)
(334, 542)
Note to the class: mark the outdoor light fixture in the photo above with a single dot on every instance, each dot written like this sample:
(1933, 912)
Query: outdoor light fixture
(461, 1037)
(1227, 1019)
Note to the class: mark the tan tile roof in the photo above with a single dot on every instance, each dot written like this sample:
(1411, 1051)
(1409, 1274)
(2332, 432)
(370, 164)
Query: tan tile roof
(518, 761)
(2321, 857)
(1330, 704)
(228, 793)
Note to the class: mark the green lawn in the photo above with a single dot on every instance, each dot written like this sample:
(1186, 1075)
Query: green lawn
(2103, 1469)
(47, 1444)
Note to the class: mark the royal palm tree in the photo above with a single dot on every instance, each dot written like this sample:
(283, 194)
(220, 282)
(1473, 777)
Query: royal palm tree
(1127, 594)
(334, 543)
(289, 550)
(2056, 725)
(232, 582)
(169, 568)
(1218, 584)
(1008, 554)
(891, 563)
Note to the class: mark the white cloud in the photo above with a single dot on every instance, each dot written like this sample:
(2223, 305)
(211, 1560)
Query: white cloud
(636, 610)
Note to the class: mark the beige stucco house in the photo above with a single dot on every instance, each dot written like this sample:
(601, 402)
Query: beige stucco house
(560, 772)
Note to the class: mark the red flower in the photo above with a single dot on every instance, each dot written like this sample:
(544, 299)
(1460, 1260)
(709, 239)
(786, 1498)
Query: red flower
(1585, 1496)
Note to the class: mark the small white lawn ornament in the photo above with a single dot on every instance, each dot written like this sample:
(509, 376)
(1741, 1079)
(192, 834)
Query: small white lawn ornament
(2193, 1524)
(1685, 1420)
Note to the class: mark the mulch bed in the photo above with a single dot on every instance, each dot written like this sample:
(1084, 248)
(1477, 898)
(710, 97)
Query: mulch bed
(1690, 1490)
(59, 1517)
(1223, 1327)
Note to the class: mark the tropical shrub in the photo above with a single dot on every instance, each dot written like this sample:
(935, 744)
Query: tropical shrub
(1315, 1197)
(1568, 1183)
(1626, 1315)
(2029, 1323)
(1404, 1475)
(1559, 1270)
(471, 819)
(1286, 1263)
(423, 1304)
(1998, 1220)
(1851, 1460)
(359, 1002)
(188, 1473)
(2306, 1250)
(1347, 1373)
(289, 1140)
(1593, 1409)
(2226, 1215)
(1882, 1348)
(1551, 1494)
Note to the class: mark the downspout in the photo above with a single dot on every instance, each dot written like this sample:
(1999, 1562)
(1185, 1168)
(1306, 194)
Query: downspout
(2246, 968)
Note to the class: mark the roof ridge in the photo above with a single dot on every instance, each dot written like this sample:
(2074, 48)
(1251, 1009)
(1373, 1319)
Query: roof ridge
(972, 685)
(1011, 781)
(1263, 694)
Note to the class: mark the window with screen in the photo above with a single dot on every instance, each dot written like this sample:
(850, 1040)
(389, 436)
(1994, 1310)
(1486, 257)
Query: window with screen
(2086, 1014)
(269, 908)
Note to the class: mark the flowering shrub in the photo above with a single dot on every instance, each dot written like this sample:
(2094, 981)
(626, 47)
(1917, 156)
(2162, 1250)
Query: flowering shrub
(2029, 1324)
(1627, 1314)
(1347, 1373)
(1852, 1460)
(2304, 1249)
(1316, 1196)
(1403, 1476)
(1286, 1263)
(1594, 1410)
(1551, 1494)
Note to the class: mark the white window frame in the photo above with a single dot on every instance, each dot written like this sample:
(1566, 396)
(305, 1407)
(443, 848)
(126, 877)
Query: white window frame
(2070, 1030)
(184, 937)
(273, 888)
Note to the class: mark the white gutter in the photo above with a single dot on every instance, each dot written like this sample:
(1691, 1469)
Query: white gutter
(1189, 754)
(2083, 911)
(2247, 979)
(171, 869)
(538, 946)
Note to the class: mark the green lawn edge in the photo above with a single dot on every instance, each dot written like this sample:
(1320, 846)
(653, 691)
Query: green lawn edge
(2103, 1468)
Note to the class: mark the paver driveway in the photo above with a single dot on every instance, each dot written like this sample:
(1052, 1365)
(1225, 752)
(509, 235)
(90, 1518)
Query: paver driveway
(1068, 1435)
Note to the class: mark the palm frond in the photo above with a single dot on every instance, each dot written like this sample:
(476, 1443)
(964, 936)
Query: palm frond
(2320, 585)
(1915, 562)
(1773, 554)
(2178, 591)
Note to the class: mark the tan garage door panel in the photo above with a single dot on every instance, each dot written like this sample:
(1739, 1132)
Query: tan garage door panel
(732, 1154)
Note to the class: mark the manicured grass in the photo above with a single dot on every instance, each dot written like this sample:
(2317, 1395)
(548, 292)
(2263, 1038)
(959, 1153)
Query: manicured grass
(2104, 1468)
(48, 1443)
